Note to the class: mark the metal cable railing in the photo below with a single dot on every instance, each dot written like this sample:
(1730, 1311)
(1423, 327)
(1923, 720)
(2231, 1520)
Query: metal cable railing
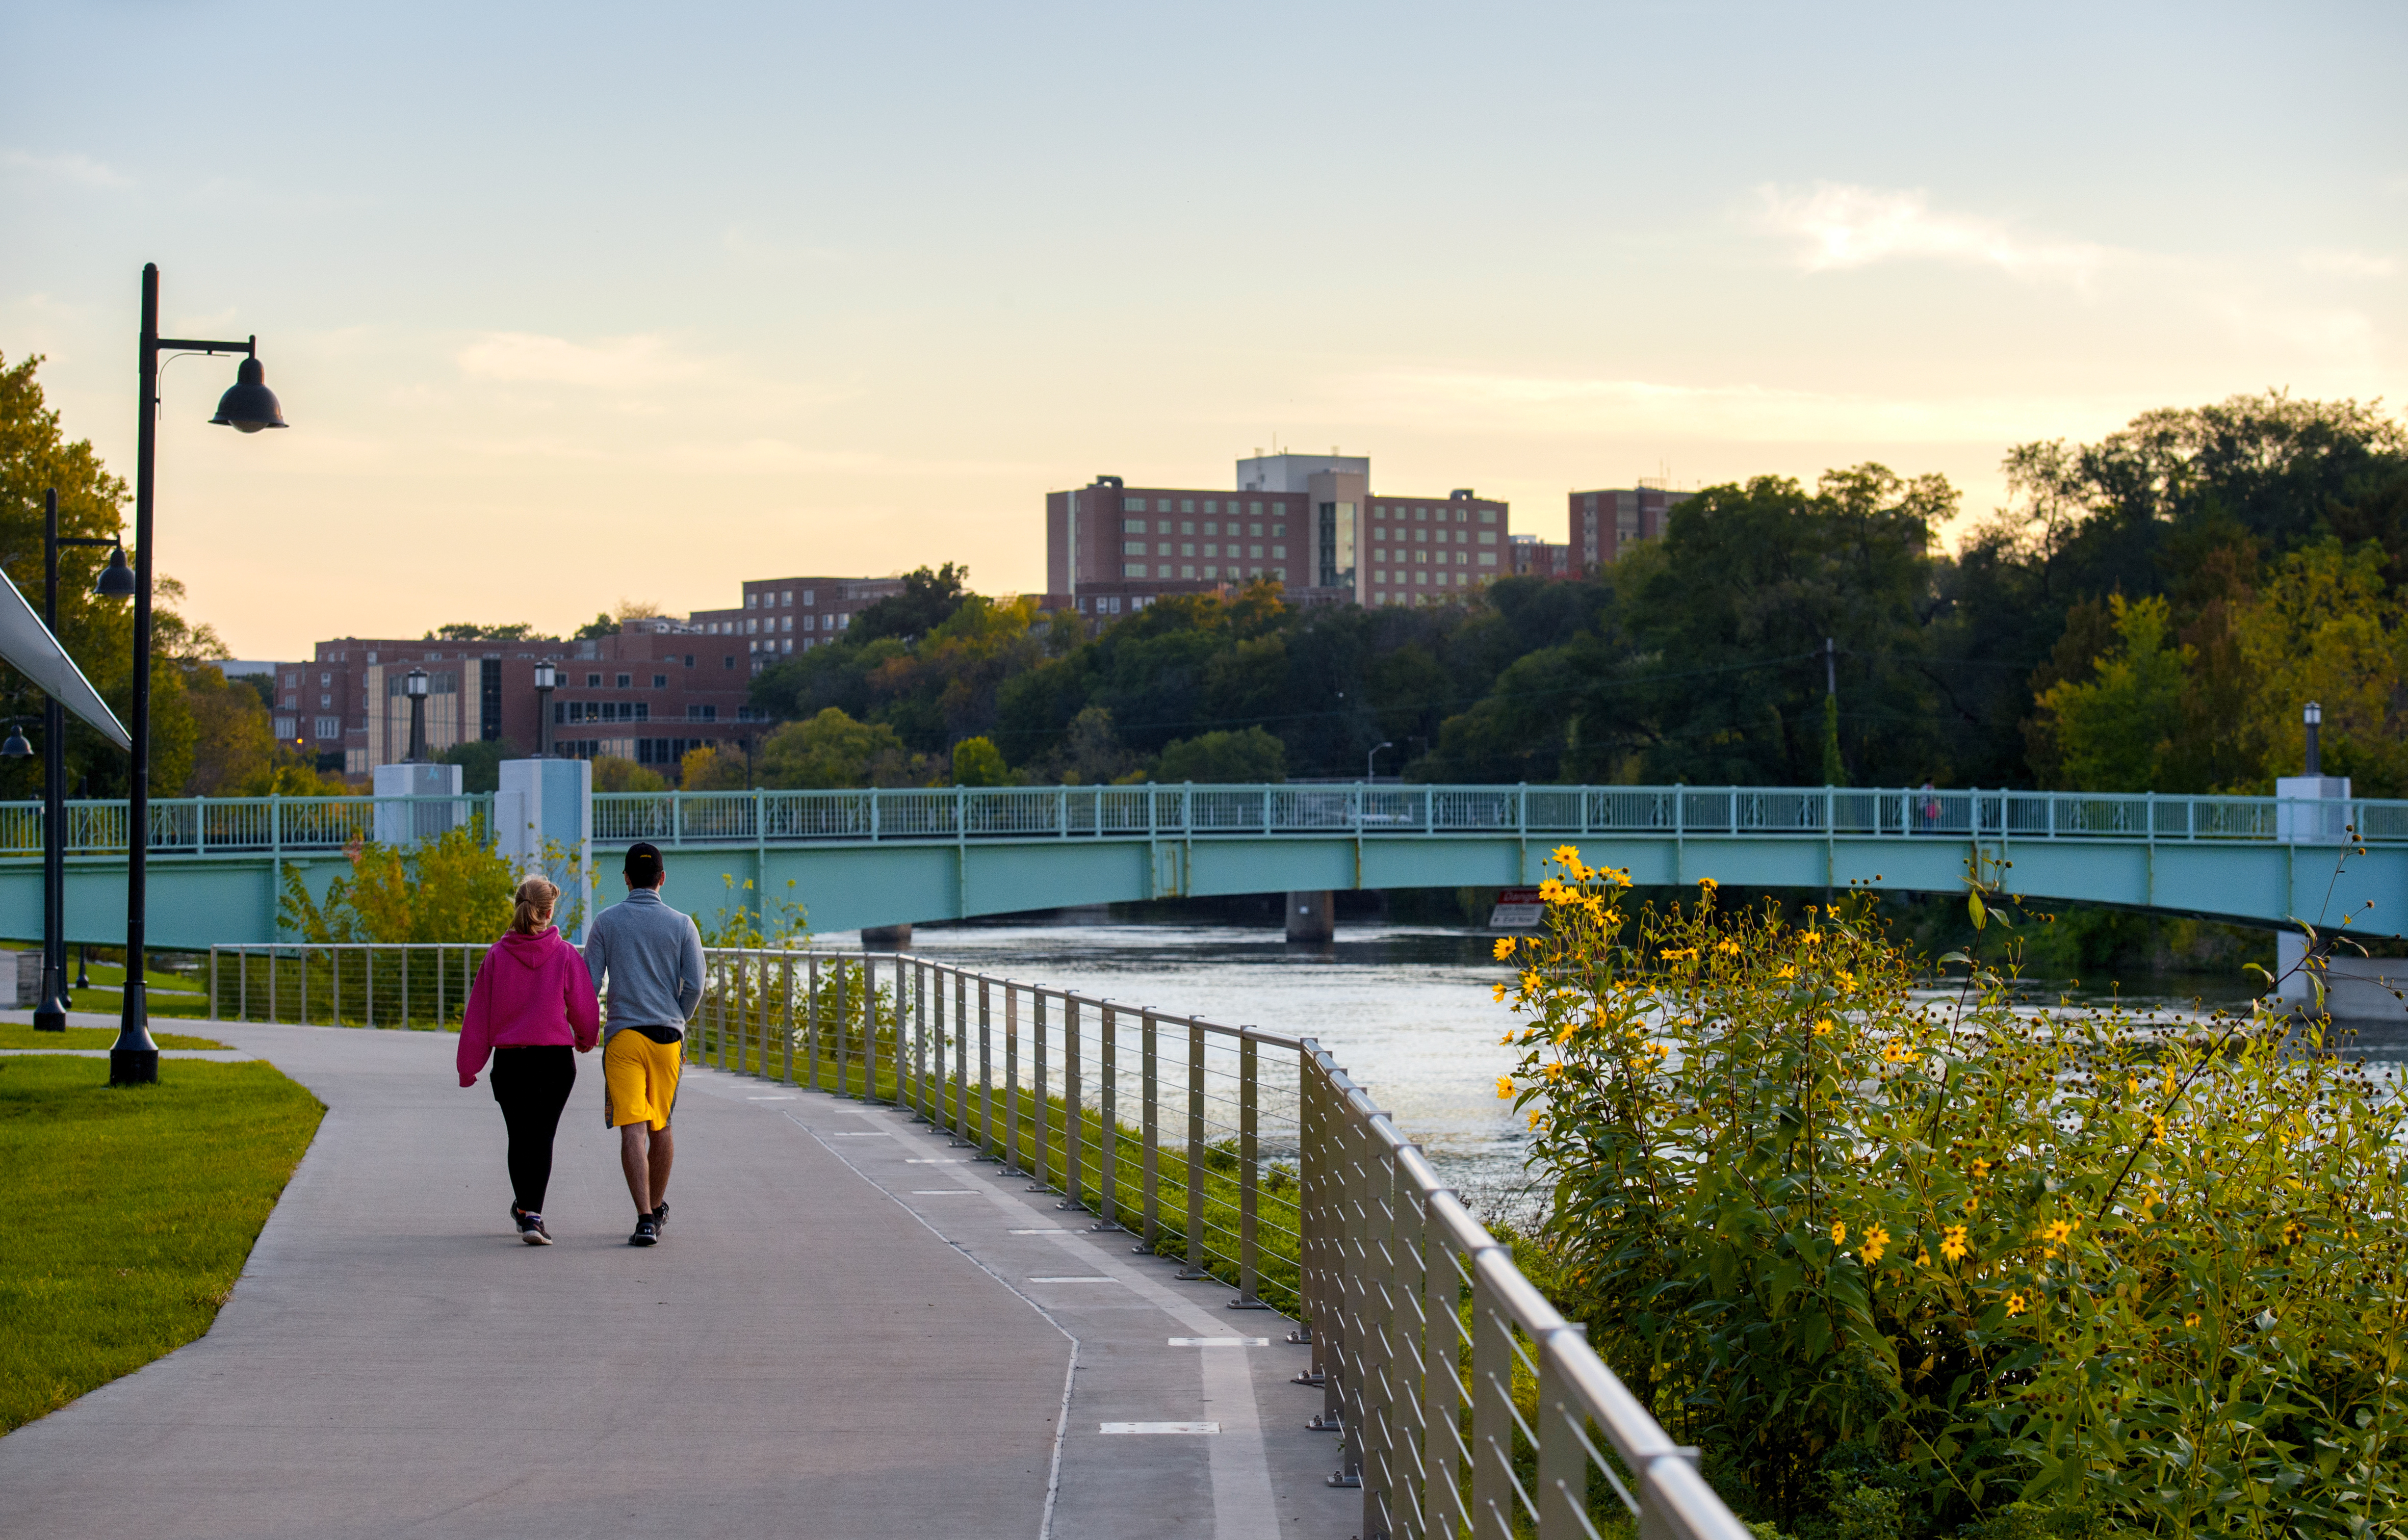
(1462, 1399)
(419, 986)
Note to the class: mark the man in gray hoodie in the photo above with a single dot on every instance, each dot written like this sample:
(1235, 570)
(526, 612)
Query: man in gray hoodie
(649, 958)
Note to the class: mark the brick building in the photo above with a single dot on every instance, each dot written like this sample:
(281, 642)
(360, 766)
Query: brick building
(1309, 522)
(1535, 558)
(783, 616)
(1601, 523)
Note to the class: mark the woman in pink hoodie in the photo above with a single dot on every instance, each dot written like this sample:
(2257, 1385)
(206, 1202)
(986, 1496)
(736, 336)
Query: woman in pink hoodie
(532, 1001)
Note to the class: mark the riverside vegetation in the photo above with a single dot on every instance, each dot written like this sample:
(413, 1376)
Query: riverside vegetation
(1914, 1263)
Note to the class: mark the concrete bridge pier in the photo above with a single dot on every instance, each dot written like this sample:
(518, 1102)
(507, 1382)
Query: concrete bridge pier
(1313, 915)
(886, 938)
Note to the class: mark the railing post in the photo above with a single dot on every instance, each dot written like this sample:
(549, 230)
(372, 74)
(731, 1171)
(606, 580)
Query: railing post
(1074, 1117)
(812, 1051)
(1313, 1164)
(1442, 1510)
(961, 1056)
(920, 1041)
(214, 1004)
(869, 1026)
(1196, 1167)
(367, 987)
(1150, 1133)
(786, 1019)
(986, 1073)
(1108, 1130)
(1492, 1415)
(242, 989)
(1044, 1108)
(1563, 1464)
(1010, 1076)
(1249, 1066)
(843, 1028)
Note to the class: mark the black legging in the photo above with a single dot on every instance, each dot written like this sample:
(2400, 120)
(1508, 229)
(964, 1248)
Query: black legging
(532, 1084)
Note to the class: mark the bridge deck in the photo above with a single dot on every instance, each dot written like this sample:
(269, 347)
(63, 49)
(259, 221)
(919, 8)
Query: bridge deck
(836, 1340)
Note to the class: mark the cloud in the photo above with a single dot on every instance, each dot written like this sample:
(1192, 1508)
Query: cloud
(1558, 405)
(2350, 264)
(1839, 225)
(613, 364)
(80, 169)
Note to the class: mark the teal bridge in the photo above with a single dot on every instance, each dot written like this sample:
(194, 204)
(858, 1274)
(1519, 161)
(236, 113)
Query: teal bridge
(864, 858)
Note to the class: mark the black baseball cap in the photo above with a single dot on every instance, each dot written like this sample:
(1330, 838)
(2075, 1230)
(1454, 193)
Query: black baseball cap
(643, 864)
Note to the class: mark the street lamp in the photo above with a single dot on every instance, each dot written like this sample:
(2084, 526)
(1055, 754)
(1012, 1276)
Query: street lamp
(248, 408)
(1371, 758)
(413, 684)
(546, 679)
(116, 582)
(2312, 715)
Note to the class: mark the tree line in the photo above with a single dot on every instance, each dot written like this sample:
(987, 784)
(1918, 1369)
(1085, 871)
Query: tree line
(2148, 612)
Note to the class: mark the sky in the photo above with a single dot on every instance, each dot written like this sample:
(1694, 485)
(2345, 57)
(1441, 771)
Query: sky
(576, 305)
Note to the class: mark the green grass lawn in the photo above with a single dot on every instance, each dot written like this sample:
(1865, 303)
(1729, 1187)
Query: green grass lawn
(169, 993)
(137, 1208)
(20, 1034)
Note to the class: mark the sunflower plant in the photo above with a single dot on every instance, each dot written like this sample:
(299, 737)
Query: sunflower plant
(1845, 1221)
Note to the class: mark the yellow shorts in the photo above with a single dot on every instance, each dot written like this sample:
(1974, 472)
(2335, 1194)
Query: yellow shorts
(639, 1079)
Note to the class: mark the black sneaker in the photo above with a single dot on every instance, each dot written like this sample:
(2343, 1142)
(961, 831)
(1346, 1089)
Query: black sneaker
(661, 1219)
(647, 1232)
(532, 1231)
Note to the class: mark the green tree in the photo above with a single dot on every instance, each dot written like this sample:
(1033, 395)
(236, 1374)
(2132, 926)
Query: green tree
(481, 763)
(452, 888)
(35, 455)
(928, 599)
(977, 762)
(614, 773)
(2325, 628)
(832, 750)
(2115, 731)
(601, 625)
(706, 769)
(463, 631)
(1246, 758)
(233, 744)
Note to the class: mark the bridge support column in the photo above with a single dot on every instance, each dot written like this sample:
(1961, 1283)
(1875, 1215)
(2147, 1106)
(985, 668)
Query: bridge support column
(886, 938)
(1313, 915)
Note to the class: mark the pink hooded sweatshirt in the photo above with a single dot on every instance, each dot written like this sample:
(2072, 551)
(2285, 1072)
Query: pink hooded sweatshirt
(532, 991)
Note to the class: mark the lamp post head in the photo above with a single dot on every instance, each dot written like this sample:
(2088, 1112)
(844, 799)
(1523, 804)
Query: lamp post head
(546, 675)
(414, 682)
(16, 747)
(117, 579)
(2312, 714)
(249, 405)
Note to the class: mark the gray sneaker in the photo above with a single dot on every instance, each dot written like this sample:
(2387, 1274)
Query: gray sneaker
(661, 1219)
(532, 1231)
(647, 1232)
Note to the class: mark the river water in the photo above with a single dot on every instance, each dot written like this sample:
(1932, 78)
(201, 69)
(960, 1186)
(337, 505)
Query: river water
(1407, 1009)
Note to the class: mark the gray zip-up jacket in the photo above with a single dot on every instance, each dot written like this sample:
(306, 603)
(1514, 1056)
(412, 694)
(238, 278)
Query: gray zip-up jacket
(649, 957)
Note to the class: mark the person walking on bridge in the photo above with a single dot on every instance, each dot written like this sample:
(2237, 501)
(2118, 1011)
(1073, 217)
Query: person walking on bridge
(649, 956)
(532, 1001)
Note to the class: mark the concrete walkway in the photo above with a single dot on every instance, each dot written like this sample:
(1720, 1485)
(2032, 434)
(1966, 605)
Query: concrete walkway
(847, 1333)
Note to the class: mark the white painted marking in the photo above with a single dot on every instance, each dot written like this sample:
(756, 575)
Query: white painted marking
(936, 1163)
(1068, 1279)
(944, 1193)
(879, 1136)
(1058, 1229)
(1158, 1427)
(773, 1098)
(1220, 1341)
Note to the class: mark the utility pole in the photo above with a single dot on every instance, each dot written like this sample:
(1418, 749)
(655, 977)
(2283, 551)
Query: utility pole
(1834, 773)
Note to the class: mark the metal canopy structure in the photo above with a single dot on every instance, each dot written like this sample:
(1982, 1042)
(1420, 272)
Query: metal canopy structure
(30, 648)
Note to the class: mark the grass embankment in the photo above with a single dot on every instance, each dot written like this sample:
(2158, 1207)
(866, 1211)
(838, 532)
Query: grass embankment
(20, 1034)
(169, 993)
(1276, 1218)
(139, 1206)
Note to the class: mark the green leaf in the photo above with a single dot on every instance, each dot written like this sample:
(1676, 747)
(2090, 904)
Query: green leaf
(1975, 908)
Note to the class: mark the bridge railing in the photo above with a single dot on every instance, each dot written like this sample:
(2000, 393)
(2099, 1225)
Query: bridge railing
(228, 825)
(1187, 811)
(1459, 1395)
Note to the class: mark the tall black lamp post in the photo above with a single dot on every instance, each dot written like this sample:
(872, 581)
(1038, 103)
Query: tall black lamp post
(413, 684)
(249, 407)
(547, 678)
(116, 582)
(2313, 716)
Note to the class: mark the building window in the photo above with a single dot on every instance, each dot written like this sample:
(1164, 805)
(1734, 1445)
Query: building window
(789, 598)
(329, 727)
(1187, 572)
(660, 681)
(702, 713)
(1278, 575)
(1132, 569)
(727, 660)
(594, 681)
(1488, 537)
(1487, 558)
(789, 624)
(627, 679)
(1132, 526)
(752, 601)
(1187, 505)
(808, 594)
(1132, 548)
(1488, 516)
(1279, 529)
(1134, 505)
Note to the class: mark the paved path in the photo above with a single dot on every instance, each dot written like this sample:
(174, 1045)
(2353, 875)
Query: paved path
(836, 1340)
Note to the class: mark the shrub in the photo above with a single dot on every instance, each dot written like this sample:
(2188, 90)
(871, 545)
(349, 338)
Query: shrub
(2073, 1259)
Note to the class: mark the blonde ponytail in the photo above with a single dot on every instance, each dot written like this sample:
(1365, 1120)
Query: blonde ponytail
(531, 907)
